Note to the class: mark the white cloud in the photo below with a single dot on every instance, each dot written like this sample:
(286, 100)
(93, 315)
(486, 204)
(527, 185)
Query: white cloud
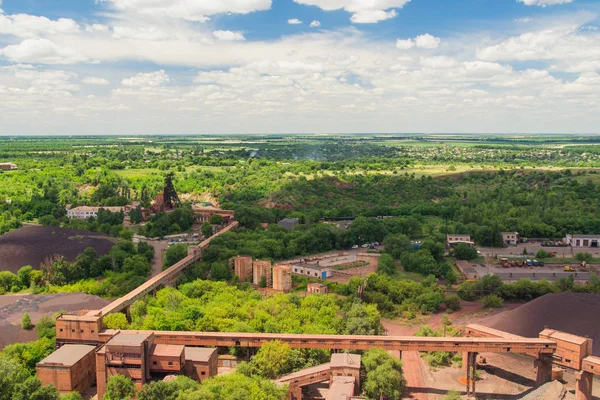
(427, 41)
(543, 3)
(140, 33)
(42, 51)
(28, 26)
(190, 9)
(228, 35)
(372, 16)
(147, 79)
(405, 44)
(363, 12)
(294, 21)
(96, 28)
(524, 20)
(438, 62)
(95, 81)
(315, 24)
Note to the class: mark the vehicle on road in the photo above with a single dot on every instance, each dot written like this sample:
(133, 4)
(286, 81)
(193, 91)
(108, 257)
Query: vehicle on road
(529, 263)
(568, 268)
(355, 246)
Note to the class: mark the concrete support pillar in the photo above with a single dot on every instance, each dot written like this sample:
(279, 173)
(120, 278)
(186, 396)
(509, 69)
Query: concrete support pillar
(583, 385)
(127, 312)
(544, 371)
(471, 370)
(465, 358)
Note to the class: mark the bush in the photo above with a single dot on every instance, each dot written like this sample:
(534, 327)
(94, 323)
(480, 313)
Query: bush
(116, 321)
(26, 321)
(587, 257)
(452, 302)
(453, 395)
(492, 301)
(119, 387)
(466, 291)
(544, 254)
(465, 252)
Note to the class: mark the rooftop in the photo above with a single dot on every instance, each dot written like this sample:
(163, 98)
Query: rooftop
(317, 369)
(167, 350)
(459, 234)
(129, 339)
(68, 355)
(91, 208)
(567, 337)
(586, 236)
(341, 388)
(201, 354)
(345, 360)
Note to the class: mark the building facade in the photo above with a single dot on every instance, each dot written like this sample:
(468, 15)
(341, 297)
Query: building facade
(510, 238)
(262, 268)
(312, 270)
(282, 278)
(589, 241)
(242, 267)
(317, 288)
(8, 166)
(456, 238)
(85, 212)
(71, 368)
(201, 362)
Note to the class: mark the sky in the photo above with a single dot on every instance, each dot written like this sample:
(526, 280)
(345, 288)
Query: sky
(299, 66)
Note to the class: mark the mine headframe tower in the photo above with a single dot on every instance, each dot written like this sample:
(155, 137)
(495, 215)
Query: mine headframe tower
(168, 199)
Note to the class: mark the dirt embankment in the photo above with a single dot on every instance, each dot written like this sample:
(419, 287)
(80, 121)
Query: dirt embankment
(30, 245)
(576, 313)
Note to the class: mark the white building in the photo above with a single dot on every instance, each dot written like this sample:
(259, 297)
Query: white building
(592, 241)
(84, 212)
(312, 270)
(456, 238)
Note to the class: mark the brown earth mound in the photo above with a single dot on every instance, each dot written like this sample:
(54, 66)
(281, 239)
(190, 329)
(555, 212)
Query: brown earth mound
(30, 245)
(12, 308)
(576, 313)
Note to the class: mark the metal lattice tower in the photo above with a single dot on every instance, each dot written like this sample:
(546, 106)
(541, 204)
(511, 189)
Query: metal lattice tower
(170, 195)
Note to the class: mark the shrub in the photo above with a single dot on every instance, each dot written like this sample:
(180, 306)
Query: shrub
(465, 252)
(492, 301)
(452, 302)
(26, 321)
(116, 321)
(544, 254)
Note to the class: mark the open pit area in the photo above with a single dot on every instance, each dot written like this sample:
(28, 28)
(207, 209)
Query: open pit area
(30, 245)
(13, 306)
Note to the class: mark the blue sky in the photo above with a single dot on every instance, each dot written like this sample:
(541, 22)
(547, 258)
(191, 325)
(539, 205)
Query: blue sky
(239, 66)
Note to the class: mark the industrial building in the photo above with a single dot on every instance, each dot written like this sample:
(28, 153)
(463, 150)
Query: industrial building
(242, 267)
(70, 368)
(262, 268)
(288, 223)
(85, 212)
(203, 213)
(590, 241)
(317, 288)
(201, 362)
(282, 278)
(8, 166)
(312, 270)
(510, 238)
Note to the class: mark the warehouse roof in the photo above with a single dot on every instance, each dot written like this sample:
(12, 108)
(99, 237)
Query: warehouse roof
(199, 354)
(68, 355)
(345, 360)
(129, 339)
(564, 336)
(341, 388)
(167, 350)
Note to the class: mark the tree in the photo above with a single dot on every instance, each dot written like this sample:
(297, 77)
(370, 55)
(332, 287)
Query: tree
(158, 390)
(544, 254)
(587, 257)
(384, 375)
(465, 252)
(119, 387)
(174, 254)
(362, 319)
(7, 280)
(271, 359)
(263, 281)
(116, 321)
(386, 265)
(452, 302)
(32, 389)
(216, 219)
(24, 276)
(26, 321)
(492, 301)
(72, 396)
(238, 386)
(396, 245)
(146, 250)
(46, 327)
(206, 229)
(11, 374)
(466, 291)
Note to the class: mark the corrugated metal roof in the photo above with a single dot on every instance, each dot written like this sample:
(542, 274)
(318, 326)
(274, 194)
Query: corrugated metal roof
(199, 354)
(167, 350)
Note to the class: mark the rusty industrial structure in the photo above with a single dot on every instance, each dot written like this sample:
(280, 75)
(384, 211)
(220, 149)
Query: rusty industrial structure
(143, 355)
(167, 199)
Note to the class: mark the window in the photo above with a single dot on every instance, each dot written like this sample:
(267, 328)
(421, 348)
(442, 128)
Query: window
(203, 373)
(170, 363)
(72, 330)
(154, 362)
(92, 331)
(61, 329)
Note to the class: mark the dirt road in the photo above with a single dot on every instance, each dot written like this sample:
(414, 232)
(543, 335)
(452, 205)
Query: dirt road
(413, 368)
(159, 247)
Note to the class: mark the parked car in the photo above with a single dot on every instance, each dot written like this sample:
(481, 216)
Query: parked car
(364, 246)
(529, 263)
(536, 263)
(355, 246)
